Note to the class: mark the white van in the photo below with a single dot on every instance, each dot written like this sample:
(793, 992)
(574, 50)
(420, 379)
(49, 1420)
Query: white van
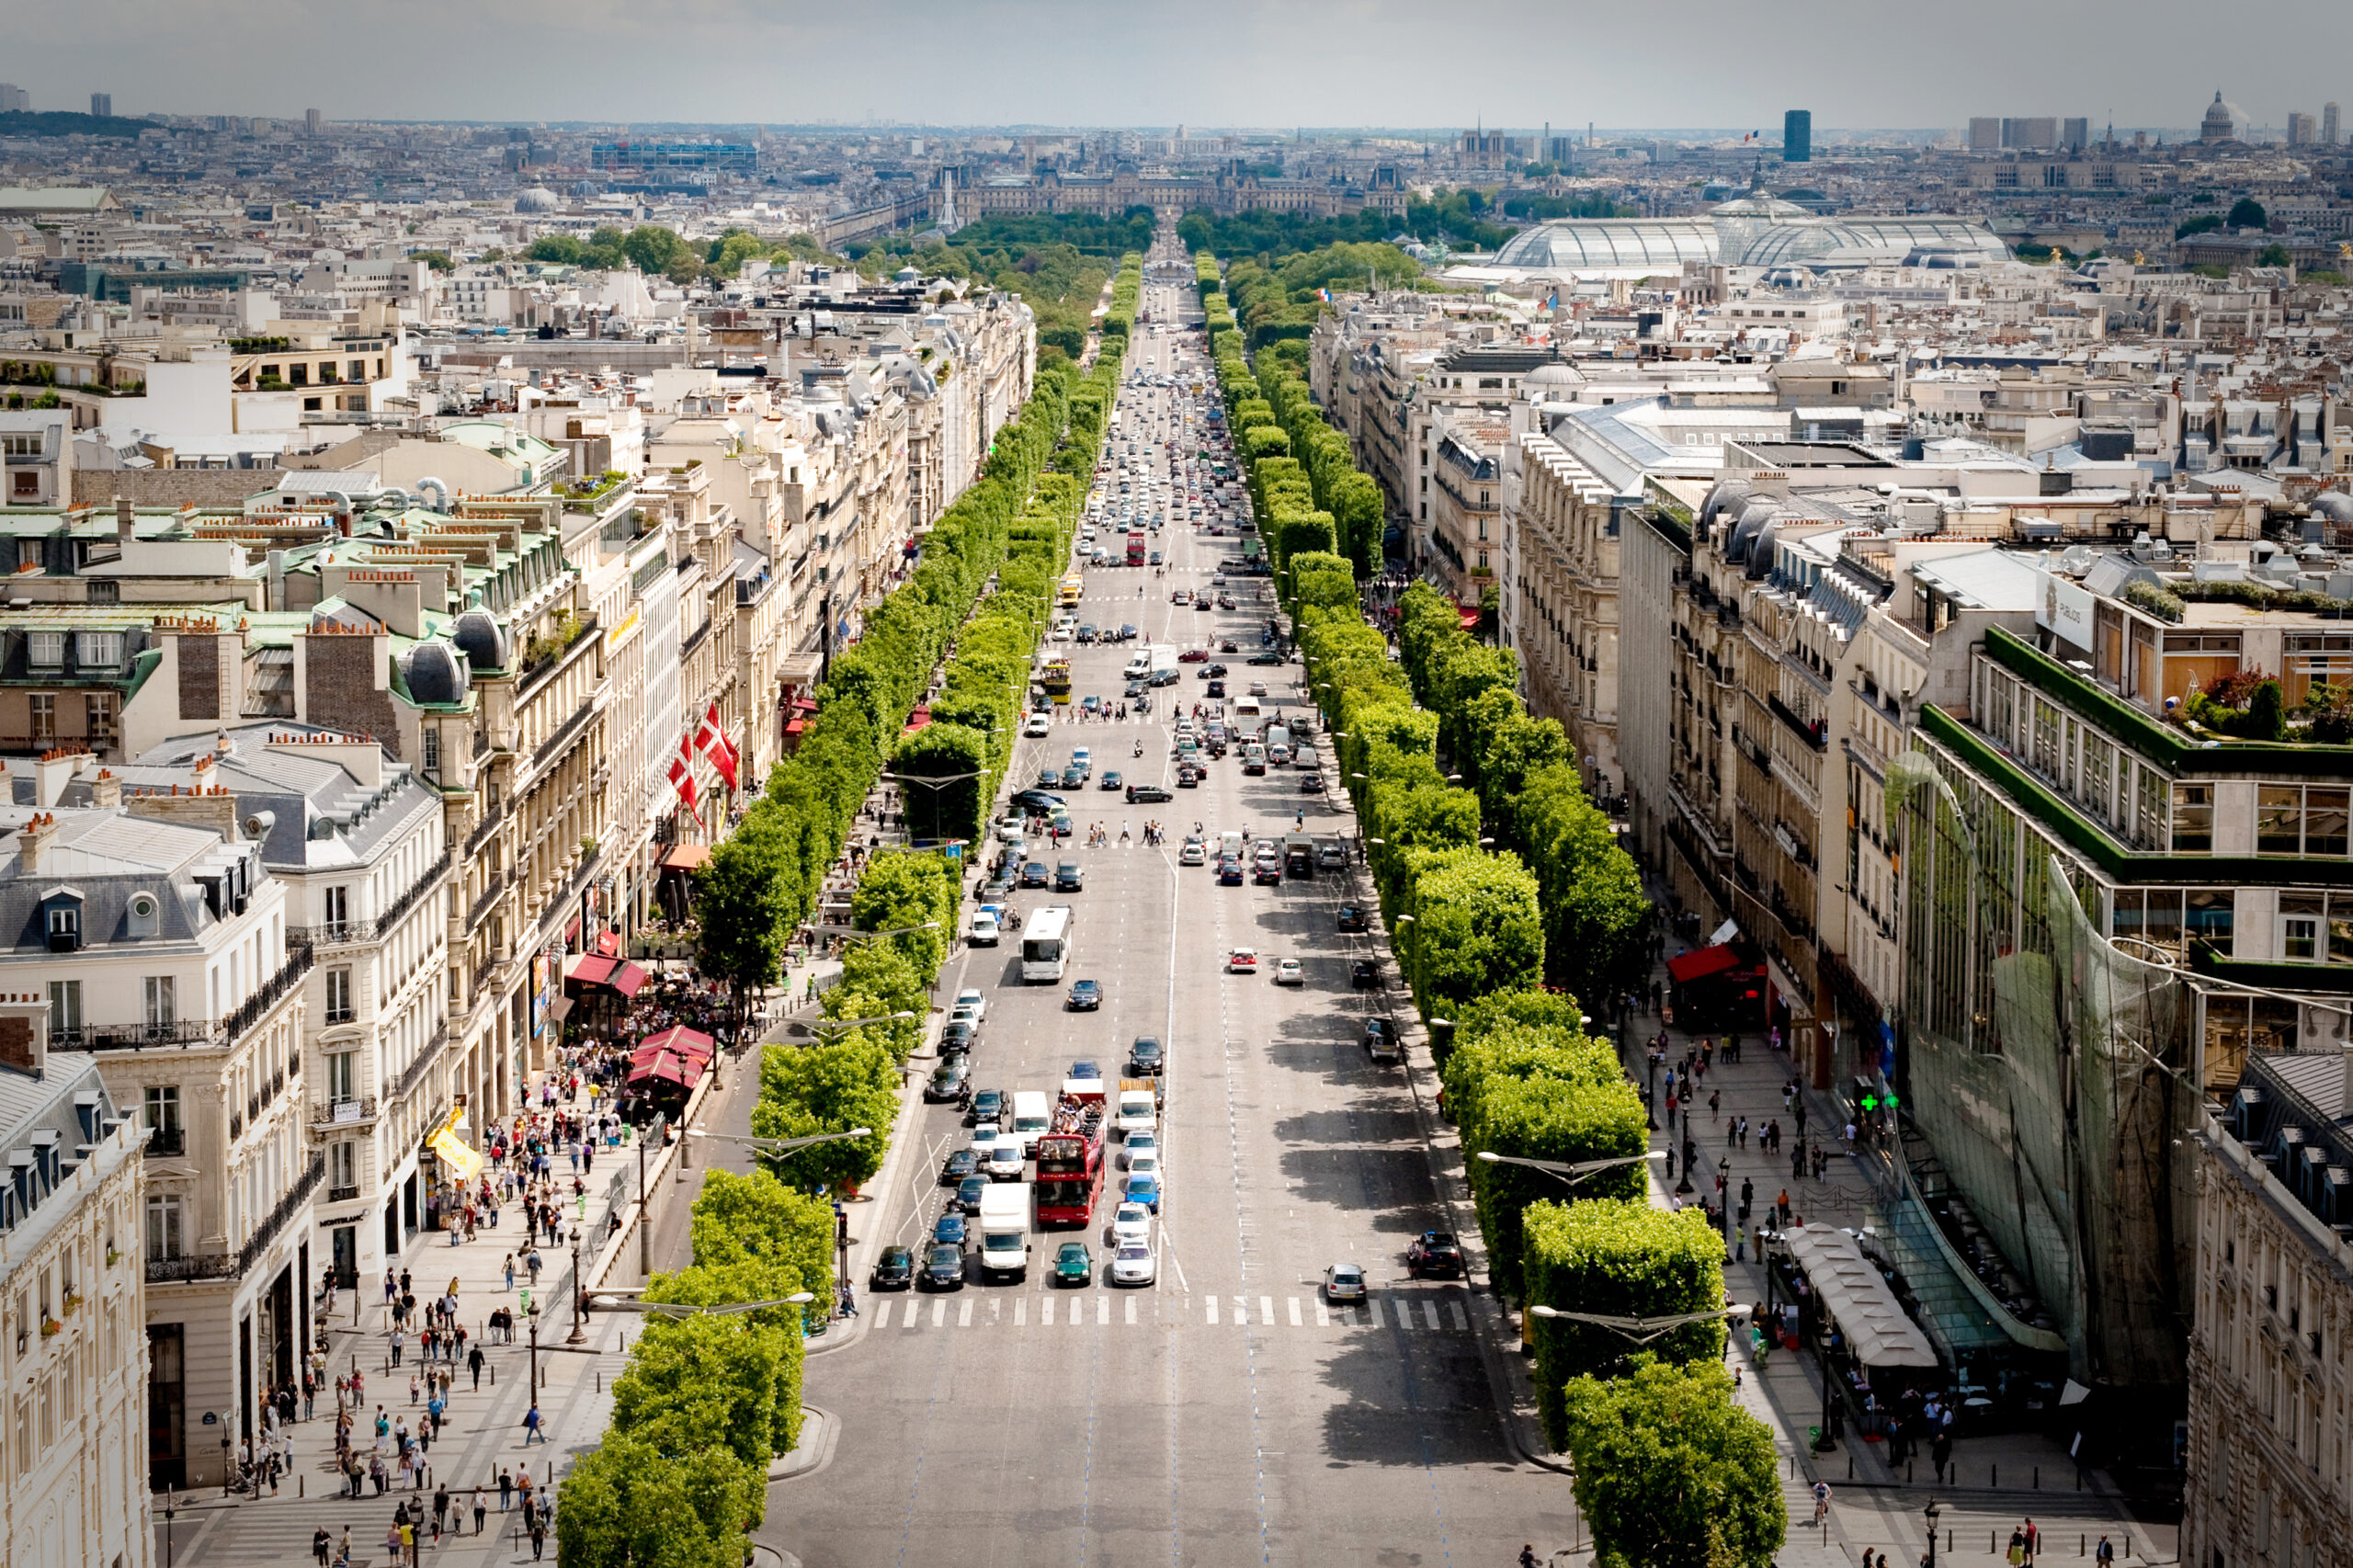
(1030, 1119)
(1229, 845)
(1246, 713)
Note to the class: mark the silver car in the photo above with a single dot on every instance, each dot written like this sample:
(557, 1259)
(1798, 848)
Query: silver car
(1344, 1282)
(1133, 1263)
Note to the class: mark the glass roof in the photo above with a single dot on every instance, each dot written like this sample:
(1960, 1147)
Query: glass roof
(1859, 242)
(1592, 244)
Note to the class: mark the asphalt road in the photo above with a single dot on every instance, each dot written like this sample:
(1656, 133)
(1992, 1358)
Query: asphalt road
(1226, 1414)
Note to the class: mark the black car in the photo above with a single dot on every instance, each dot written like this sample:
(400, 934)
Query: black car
(1112, 779)
(1213, 671)
(1135, 689)
(956, 1039)
(1216, 688)
(1037, 800)
(1085, 996)
(1145, 1057)
(1351, 917)
(1049, 778)
(1229, 871)
(1188, 777)
(1265, 656)
(968, 1194)
(943, 1268)
(1074, 778)
(949, 1229)
(1128, 631)
(1364, 972)
(987, 1105)
(950, 1081)
(1068, 877)
(960, 1164)
(1138, 794)
(1311, 783)
(1435, 1255)
(1033, 874)
(894, 1271)
(1266, 873)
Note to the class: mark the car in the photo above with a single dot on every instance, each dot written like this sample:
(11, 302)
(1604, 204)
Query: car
(1038, 801)
(1214, 672)
(1112, 779)
(1201, 601)
(968, 1194)
(1074, 778)
(1085, 996)
(1087, 634)
(1265, 656)
(1073, 1264)
(1145, 1057)
(1033, 874)
(1242, 960)
(1091, 704)
(1132, 1264)
(1189, 778)
(1049, 778)
(986, 931)
(1216, 688)
(958, 1165)
(972, 996)
(1144, 1189)
(1267, 873)
(1311, 783)
(1258, 689)
(988, 1105)
(1006, 1157)
(1068, 877)
(1344, 1282)
(1143, 1161)
(1365, 975)
(1288, 972)
(1093, 1070)
(949, 1229)
(1192, 852)
(1083, 759)
(1036, 724)
(957, 1039)
(1127, 632)
(1351, 917)
(950, 1081)
(1380, 1035)
(943, 1268)
(894, 1270)
(1156, 554)
(1139, 794)
(1142, 1141)
(1228, 872)
(1136, 689)
(1193, 657)
(965, 1013)
(1435, 1255)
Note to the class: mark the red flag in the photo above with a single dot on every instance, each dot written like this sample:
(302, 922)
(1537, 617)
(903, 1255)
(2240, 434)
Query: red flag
(712, 741)
(682, 776)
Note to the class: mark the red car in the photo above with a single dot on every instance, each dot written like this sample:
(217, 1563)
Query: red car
(1193, 657)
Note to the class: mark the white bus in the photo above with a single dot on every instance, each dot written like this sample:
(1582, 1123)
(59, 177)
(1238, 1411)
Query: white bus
(1045, 945)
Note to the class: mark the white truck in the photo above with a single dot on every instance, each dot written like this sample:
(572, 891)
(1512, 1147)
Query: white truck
(1031, 1114)
(1005, 1231)
(1139, 1106)
(1163, 664)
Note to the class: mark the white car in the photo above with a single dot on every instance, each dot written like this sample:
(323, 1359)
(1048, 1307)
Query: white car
(1146, 1162)
(1064, 631)
(1194, 853)
(962, 1014)
(1009, 831)
(1005, 1158)
(1140, 1142)
(1130, 1222)
(971, 996)
(1132, 1264)
(1037, 724)
(986, 931)
(1288, 972)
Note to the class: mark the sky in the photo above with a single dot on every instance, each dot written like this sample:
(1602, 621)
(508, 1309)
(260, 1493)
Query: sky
(1207, 63)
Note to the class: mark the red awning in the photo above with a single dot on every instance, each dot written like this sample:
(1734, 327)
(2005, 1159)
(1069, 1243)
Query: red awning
(805, 704)
(794, 727)
(668, 1069)
(1685, 968)
(626, 978)
(685, 856)
(589, 968)
(678, 1039)
(919, 720)
(1467, 618)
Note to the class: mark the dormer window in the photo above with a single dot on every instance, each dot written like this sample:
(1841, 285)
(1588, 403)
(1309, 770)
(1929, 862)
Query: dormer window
(45, 650)
(98, 650)
(62, 915)
(145, 914)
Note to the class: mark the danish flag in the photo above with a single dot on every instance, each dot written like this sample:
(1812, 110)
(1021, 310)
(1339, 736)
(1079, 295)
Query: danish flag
(682, 774)
(712, 741)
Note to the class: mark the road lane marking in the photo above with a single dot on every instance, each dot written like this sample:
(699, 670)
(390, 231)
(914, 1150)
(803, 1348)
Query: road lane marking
(1430, 1311)
(1046, 1311)
(1131, 1309)
(1020, 1311)
(1102, 1309)
(914, 1307)
(964, 1312)
(1372, 1311)
(1267, 1309)
(939, 1312)
(1212, 1311)
(1294, 1312)
(1454, 1309)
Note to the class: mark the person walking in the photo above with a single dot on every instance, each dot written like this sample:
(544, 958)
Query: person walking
(319, 1545)
(473, 1364)
(2105, 1554)
(481, 1510)
(531, 1432)
(506, 1489)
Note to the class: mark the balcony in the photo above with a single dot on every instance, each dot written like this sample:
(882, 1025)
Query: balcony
(341, 1194)
(192, 1270)
(355, 1112)
(296, 1199)
(348, 933)
(187, 1032)
(483, 828)
(167, 1140)
(425, 1058)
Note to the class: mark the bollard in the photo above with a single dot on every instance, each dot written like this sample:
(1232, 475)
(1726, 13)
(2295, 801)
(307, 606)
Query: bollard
(1850, 1466)
(2038, 1478)
(1907, 1473)
(1994, 1476)
(2079, 1544)
(298, 1484)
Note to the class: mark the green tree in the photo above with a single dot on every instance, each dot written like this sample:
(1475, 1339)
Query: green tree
(651, 248)
(1477, 929)
(1672, 1473)
(439, 260)
(739, 908)
(2275, 256)
(853, 1081)
(1617, 1257)
(629, 1503)
(705, 1381)
(956, 809)
(2246, 212)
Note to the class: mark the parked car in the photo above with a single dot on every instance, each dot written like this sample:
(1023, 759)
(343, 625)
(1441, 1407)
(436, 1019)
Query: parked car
(894, 1270)
(1435, 1255)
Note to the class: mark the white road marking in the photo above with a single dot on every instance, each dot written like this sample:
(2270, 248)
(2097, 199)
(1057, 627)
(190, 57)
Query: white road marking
(1131, 1309)
(1240, 1311)
(1046, 1311)
(1103, 1309)
(1267, 1309)
(1454, 1310)
(939, 1312)
(1212, 1300)
(1372, 1311)
(914, 1307)
(1294, 1312)
(1430, 1311)
(1020, 1311)
(1322, 1315)
(964, 1312)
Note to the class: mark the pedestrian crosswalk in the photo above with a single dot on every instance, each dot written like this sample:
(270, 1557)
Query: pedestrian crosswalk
(1079, 1309)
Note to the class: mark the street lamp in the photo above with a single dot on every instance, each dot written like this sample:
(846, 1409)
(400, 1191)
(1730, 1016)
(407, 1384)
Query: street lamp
(1640, 1330)
(899, 1016)
(1570, 1173)
(1932, 1510)
(854, 934)
(681, 1310)
(782, 1145)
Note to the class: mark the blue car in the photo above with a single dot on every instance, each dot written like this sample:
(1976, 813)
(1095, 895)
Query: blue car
(1144, 1189)
(950, 1231)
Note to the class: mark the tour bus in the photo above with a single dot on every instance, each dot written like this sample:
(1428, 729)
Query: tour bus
(1045, 945)
(1074, 590)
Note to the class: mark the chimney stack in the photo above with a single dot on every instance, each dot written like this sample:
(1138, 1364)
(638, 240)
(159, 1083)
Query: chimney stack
(106, 791)
(33, 841)
(122, 519)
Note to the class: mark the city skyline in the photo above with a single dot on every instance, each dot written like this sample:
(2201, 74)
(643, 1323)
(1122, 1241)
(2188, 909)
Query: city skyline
(1031, 61)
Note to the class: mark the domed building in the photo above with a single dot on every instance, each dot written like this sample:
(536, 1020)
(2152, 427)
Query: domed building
(2221, 122)
(538, 198)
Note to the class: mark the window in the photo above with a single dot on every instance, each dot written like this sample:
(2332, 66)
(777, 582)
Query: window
(2046, 739)
(343, 1076)
(64, 927)
(337, 907)
(355, 370)
(163, 1227)
(99, 715)
(162, 1000)
(64, 1009)
(338, 996)
(2193, 819)
(44, 711)
(343, 1166)
(46, 650)
(98, 650)
(299, 375)
(432, 751)
(163, 1107)
(2292, 819)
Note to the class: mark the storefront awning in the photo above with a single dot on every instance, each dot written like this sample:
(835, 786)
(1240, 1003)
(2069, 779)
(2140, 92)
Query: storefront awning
(626, 978)
(685, 856)
(589, 968)
(668, 1067)
(678, 1039)
(794, 727)
(1685, 968)
(1851, 1290)
(608, 944)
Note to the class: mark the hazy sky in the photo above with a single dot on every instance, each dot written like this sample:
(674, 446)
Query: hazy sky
(1204, 62)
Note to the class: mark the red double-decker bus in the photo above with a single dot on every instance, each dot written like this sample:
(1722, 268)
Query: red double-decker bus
(1070, 1159)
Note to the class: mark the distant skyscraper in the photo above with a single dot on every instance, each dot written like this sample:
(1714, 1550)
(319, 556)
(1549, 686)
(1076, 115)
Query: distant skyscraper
(15, 100)
(310, 122)
(2302, 129)
(102, 105)
(2328, 124)
(2076, 134)
(1797, 136)
(1985, 133)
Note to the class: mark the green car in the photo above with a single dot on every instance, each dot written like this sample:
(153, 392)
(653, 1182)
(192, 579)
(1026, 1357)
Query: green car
(1073, 1264)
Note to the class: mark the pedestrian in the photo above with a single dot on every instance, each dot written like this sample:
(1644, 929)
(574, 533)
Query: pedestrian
(440, 1510)
(1940, 1451)
(319, 1545)
(396, 1347)
(531, 1433)
(506, 1488)
(473, 1364)
(1528, 1556)
(2017, 1554)
(1822, 1503)
(480, 1509)
(2033, 1540)
(2105, 1553)
(539, 1538)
